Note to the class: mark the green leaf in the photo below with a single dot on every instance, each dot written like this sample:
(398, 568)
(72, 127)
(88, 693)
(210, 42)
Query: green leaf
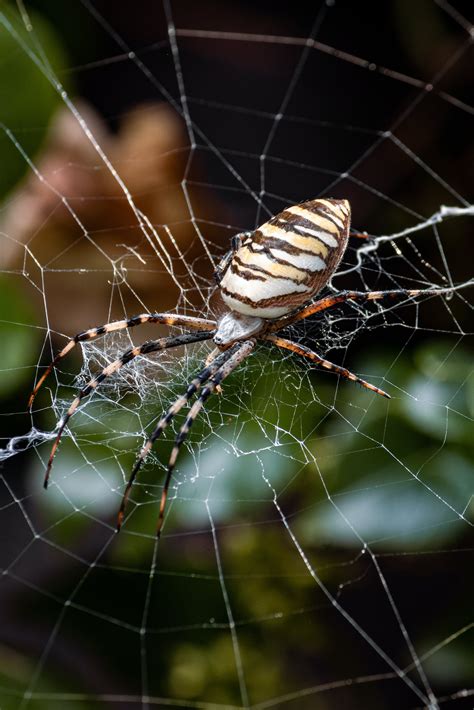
(20, 341)
(27, 97)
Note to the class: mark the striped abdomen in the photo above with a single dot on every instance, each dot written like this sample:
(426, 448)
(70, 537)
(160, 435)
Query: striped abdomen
(287, 260)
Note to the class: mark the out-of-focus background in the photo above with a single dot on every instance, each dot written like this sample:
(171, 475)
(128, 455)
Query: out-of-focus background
(318, 549)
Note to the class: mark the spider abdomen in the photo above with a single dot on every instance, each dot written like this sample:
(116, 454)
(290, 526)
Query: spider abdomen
(287, 260)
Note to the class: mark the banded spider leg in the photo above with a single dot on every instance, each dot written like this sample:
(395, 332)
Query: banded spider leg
(213, 374)
(150, 346)
(328, 302)
(306, 352)
(160, 318)
(324, 304)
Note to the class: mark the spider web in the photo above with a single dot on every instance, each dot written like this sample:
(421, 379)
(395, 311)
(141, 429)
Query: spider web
(318, 539)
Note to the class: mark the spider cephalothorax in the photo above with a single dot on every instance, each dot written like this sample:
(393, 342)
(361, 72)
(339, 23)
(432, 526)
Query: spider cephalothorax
(267, 280)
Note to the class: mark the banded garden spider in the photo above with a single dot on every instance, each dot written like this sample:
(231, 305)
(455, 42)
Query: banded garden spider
(267, 280)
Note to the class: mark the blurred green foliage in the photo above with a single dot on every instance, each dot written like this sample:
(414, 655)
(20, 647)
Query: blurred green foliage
(373, 457)
(19, 337)
(28, 98)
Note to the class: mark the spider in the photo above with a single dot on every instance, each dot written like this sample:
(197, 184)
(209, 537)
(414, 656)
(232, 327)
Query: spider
(267, 280)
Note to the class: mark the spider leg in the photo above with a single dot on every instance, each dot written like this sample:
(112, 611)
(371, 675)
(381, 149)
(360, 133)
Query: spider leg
(162, 318)
(358, 235)
(211, 367)
(220, 368)
(150, 346)
(234, 361)
(306, 352)
(330, 301)
(209, 359)
(212, 355)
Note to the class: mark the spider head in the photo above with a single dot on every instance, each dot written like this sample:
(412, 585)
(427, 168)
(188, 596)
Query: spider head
(236, 326)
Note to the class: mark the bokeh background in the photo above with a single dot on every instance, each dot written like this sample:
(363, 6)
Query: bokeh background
(91, 620)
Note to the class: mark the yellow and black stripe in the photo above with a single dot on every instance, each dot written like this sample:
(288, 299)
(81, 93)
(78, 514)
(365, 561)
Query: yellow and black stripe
(287, 260)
